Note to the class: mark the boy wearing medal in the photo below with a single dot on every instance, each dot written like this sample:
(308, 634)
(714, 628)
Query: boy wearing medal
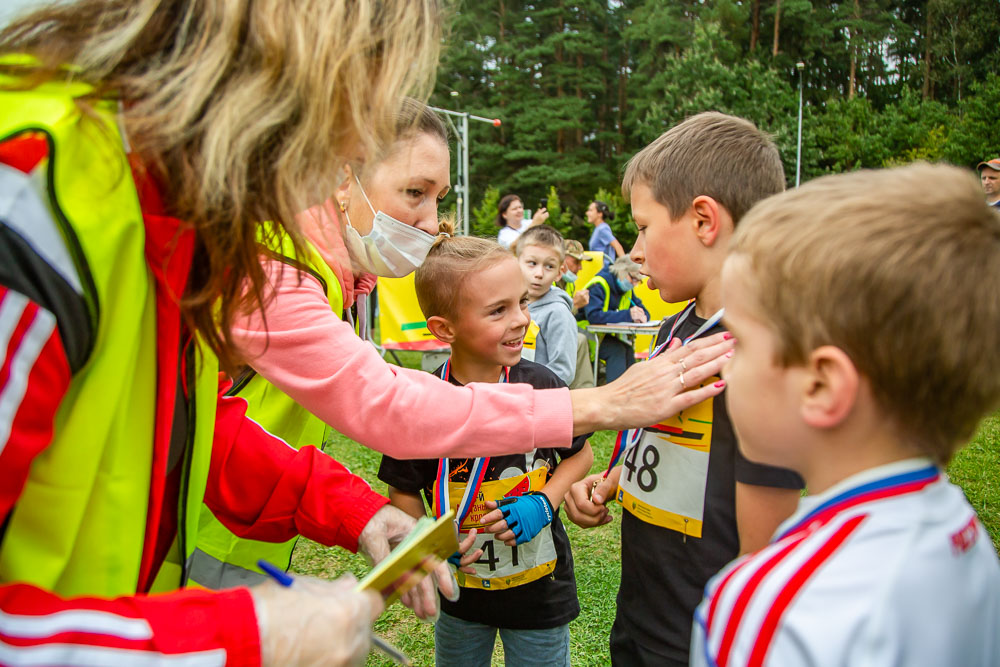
(872, 370)
(692, 502)
(473, 295)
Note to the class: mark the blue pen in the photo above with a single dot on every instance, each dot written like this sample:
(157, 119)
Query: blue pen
(285, 579)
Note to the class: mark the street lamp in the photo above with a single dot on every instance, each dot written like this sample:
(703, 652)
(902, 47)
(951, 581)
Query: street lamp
(798, 151)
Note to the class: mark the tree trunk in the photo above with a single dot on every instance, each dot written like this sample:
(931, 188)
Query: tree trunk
(852, 77)
(755, 25)
(622, 80)
(777, 28)
(926, 92)
(560, 133)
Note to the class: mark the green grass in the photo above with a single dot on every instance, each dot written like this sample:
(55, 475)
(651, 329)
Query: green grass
(596, 553)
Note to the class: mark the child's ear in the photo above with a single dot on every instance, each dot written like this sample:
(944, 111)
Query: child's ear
(711, 220)
(441, 328)
(831, 387)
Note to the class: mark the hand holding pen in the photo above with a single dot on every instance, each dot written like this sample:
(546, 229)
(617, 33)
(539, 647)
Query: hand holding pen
(314, 621)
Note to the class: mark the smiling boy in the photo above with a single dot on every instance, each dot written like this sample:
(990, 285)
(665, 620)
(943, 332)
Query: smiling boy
(472, 293)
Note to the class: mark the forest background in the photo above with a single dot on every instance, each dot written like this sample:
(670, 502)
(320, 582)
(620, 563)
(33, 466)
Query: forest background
(581, 85)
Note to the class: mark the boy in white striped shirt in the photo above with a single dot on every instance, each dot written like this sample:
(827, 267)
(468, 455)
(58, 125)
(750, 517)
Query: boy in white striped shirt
(867, 330)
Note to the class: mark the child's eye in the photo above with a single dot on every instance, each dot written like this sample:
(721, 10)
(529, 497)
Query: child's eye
(497, 311)
(524, 302)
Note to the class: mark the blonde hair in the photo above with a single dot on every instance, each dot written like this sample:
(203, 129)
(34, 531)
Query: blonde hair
(244, 109)
(899, 269)
(439, 279)
(724, 157)
(543, 236)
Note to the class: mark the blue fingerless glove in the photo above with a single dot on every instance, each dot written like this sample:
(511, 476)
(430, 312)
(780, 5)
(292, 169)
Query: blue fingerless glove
(526, 515)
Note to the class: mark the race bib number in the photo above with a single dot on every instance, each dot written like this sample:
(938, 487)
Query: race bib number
(664, 476)
(502, 566)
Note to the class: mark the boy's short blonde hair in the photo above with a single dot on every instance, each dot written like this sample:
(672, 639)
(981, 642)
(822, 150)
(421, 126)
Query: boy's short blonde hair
(438, 281)
(899, 269)
(724, 157)
(543, 236)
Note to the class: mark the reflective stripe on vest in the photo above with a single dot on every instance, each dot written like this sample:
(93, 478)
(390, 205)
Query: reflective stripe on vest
(221, 559)
(79, 525)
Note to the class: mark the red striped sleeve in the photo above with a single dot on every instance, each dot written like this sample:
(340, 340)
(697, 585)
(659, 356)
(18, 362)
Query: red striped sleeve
(34, 377)
(745, 594)
(191, 628)
(769, 627)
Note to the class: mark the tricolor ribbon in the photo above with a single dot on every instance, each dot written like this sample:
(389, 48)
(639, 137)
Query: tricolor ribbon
(476, 475)
(630, 437)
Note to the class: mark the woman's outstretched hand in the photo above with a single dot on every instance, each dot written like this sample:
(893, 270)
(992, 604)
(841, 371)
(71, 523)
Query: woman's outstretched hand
(654, 390)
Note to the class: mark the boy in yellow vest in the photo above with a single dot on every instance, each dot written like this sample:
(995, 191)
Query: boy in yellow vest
(473, 294)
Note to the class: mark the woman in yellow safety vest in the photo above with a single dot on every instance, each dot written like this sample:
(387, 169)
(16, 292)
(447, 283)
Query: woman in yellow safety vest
(142, 144)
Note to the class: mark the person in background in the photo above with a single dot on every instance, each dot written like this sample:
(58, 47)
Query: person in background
(884, 562)
(989, 176)
(602, 239)
(510, 219)
(540, 255)
(572, 265)
(613, 301)
(472, 293)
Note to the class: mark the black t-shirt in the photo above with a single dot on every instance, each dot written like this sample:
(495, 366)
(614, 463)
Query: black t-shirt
(541, 604)
(663, 573)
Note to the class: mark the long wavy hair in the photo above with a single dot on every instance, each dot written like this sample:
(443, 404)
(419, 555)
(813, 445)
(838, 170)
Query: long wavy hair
(244, 110)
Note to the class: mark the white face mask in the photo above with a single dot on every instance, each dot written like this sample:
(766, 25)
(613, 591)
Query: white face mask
(392, 249)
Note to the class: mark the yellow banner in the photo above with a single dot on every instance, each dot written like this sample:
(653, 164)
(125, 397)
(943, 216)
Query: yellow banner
(401, 324)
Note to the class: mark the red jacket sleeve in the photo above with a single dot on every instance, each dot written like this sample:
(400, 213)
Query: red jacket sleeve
(194, 626)
(263, 489)
(39, 627)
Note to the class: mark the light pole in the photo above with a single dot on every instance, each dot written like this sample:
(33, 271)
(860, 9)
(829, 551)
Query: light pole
(798, 151)
(462, 158)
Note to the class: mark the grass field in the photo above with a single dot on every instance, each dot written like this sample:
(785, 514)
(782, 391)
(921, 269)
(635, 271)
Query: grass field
(976, 469)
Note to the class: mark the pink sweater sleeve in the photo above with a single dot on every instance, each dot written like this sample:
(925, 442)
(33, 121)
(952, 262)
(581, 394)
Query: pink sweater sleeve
(317, 359)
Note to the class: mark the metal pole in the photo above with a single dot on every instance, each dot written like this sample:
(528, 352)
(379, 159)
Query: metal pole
(465, 174)
(462, 156)
(798, 151)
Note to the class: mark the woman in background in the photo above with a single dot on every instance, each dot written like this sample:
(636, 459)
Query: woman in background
(510, 219)
(603, 239)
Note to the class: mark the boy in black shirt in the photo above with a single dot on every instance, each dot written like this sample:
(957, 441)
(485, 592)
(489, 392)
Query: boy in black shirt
(692, 501)
(472, 292)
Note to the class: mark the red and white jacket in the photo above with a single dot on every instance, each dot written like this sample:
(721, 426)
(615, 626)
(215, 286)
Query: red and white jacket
(888, 567)
(258, 486)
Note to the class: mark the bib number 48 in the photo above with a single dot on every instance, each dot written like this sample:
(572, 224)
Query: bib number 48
(645, 473)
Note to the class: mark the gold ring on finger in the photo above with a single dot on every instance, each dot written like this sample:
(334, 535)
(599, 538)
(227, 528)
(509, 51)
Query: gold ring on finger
(683, 366)
(681, 376)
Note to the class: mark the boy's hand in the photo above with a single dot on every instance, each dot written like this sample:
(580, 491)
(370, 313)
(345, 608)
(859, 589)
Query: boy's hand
(585, 502)
(463, 560)
(638, 314)
(517, 520)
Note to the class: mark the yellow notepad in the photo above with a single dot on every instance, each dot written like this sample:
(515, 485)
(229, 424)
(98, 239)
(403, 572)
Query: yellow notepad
(431, 542)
